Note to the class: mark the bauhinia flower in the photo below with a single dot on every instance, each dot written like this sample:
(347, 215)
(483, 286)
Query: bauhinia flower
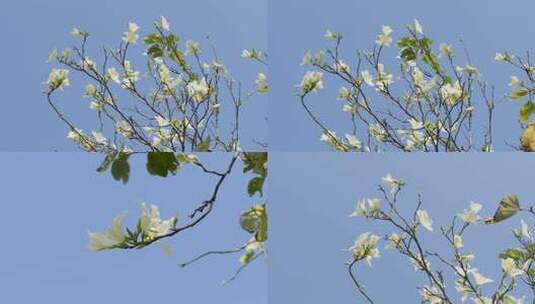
(252, 54)
(131, 36)
(470, 215)
(384, 38)
(504, 57)
(261, 83)
(192, 48)
(58, 79)
(365, 247)
(446, 50)
(510, 268)
(479, 278)
(451, 93)
(110, 238)
(165, 24)
(431, 295)
(363, 209)
(312, 82)
(418, 27)
(394, 183)
(198, 89)
(424, 219)
(457, 241)
(151, 223)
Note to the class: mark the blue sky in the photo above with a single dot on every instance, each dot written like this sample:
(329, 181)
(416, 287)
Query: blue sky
(34, 28)
(314, 193)
(51, 200)
(296, 26)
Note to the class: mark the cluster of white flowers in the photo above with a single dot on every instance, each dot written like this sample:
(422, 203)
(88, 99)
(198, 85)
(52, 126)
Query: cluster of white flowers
(150, 225)
(365, 247)
(367, 207)
(451, 93)
(198, 90)
(123, 128)
(252, 54)
(58, 79)
(431, 295)
(131, 36)
(312, 82)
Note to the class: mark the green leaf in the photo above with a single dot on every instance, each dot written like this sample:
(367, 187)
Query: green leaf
(526, 110)
(152, 39)
(171, 41)
(255, 185)
(515, 254)
(161, 163)
(155, 51)
(519, 94)
(105, 165)
(255, 162)
(120, 169)
(407, 42)
(255, 220)
(408, 54)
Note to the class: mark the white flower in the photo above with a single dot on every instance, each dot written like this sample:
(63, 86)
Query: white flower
(365, 247)
(252, 54)
(504, 57)
(198, 90)
(114, 75)
(77, 33)
(479, 278)
(312, 82)
(90, 90)
(431, 295)
(353, 141)
(367, 77)
(165, 23)
(394, 241)
(383, 79)
(424, 219)
(384, 38)
(374, 205)
(344, 93)
(112, 237)
(151, 223)
(457, 241)
(261, 83)
(418, 27)
(97, 106)
(393, 183)
(58, 79)
(514, 81)
(162, 122)
(99, 138)
(524, 229)
(377, 131)
(509, 267)
(131, 36)
(123, 127)
(471, 215)
(331, 35)
(445, 49)
(451, 93)
(192, 47)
